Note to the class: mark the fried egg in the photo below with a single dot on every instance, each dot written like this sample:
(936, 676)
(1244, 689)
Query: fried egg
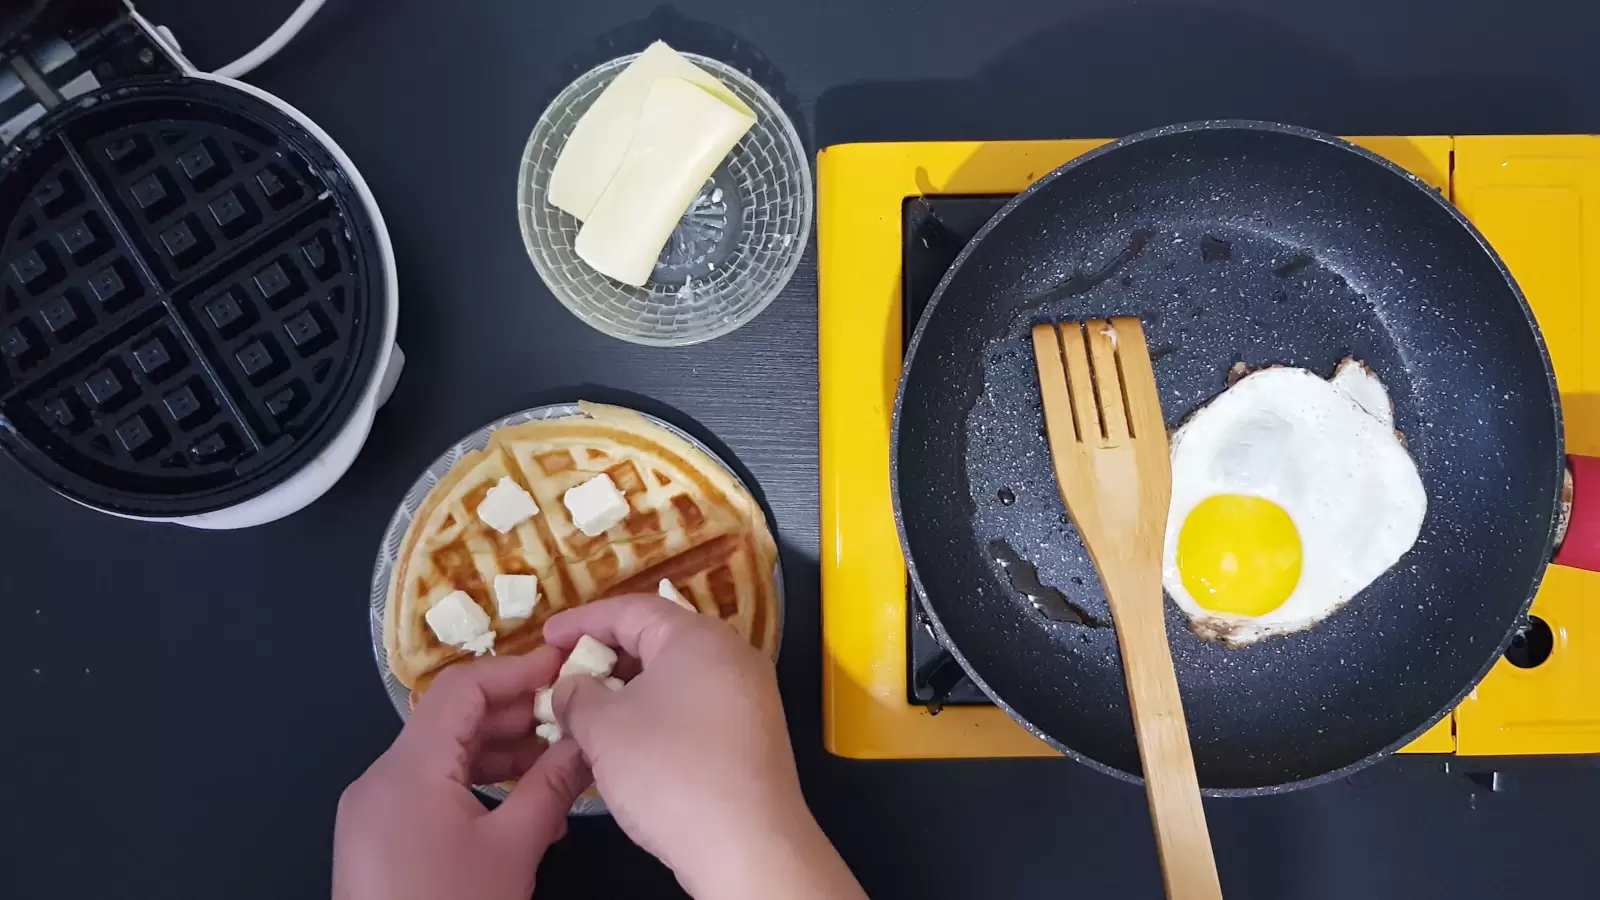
(1290, 495)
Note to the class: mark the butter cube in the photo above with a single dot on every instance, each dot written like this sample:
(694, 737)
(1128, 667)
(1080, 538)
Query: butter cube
(589, 657)
(460, 622)
(668, 590)
(596, 505)
(515, 596)
(506, 506)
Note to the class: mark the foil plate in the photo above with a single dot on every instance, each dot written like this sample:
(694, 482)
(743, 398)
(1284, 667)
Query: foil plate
(393, 536)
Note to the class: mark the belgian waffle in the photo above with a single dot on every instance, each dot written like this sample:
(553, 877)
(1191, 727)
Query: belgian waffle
(689, 521)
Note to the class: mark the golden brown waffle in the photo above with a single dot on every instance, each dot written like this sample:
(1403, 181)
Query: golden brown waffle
(690, 521)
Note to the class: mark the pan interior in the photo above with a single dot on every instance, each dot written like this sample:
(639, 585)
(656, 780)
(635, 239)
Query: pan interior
(1234, 245)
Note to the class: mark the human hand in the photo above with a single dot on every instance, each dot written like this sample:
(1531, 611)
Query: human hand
(692, 756)
(410, 826)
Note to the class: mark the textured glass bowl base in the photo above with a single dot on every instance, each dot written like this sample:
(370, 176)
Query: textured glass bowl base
(729, 257)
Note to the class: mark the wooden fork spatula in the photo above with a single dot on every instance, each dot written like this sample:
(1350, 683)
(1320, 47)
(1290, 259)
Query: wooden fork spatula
(1109, 445)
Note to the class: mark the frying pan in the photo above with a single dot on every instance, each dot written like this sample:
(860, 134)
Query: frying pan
(1234, 242)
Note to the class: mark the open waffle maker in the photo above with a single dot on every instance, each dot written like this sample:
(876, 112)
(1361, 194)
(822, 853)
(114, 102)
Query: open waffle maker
(197, 292)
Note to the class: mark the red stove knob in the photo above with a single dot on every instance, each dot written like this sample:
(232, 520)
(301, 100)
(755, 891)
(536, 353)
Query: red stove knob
(1578, 533)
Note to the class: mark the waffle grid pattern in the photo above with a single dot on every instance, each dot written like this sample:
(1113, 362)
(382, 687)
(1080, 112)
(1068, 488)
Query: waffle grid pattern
(179, 305)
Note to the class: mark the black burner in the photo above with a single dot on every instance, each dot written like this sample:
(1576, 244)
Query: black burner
(935, 229)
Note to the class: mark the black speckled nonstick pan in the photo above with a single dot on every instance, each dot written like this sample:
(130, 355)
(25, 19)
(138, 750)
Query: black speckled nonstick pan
(1233, 242)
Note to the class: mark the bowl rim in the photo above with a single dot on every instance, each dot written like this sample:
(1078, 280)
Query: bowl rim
(598, 319)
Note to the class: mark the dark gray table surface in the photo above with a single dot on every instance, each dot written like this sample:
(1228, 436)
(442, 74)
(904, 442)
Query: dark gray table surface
(182, 709)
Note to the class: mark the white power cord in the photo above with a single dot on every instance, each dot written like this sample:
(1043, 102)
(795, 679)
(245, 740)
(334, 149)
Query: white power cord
(274, 42)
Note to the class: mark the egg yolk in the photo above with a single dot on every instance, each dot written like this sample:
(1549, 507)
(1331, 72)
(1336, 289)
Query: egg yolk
(1239, 555)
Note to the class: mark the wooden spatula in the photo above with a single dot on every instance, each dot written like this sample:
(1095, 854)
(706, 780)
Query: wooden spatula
(1109, 445)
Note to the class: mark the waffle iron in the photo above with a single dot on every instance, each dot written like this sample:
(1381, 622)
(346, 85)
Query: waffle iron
(197, 292)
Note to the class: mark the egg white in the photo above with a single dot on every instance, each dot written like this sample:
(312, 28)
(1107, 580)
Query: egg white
(1327, 453)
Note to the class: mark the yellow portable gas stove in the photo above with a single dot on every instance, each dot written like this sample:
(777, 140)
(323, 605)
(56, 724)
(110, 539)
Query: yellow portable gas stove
(892, 218)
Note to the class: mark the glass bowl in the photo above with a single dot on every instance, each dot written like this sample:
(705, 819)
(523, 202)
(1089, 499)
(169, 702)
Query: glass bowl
(729, 257)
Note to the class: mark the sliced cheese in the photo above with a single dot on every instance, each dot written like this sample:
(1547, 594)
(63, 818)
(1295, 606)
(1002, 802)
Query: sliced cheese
(683, 135)
(594, 152)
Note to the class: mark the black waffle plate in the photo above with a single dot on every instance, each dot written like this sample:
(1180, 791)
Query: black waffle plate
(191, 301)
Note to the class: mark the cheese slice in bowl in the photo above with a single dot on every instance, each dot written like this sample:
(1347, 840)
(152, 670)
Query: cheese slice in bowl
(683, 134)
(600, 140)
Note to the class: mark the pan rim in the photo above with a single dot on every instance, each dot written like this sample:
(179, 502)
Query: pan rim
(1254, 125)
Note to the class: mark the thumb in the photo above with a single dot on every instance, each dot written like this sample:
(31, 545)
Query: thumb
(535, 815)
(579, 700)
